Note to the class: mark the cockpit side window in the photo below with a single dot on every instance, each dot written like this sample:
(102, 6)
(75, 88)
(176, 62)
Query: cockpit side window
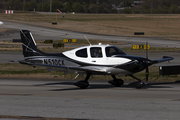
(110, 51)
(82, 53)
(96, 52)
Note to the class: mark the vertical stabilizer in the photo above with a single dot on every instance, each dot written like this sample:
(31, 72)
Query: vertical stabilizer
(29, 44)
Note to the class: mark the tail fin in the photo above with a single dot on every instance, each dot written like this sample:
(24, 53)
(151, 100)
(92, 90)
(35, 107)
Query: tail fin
(29, 45)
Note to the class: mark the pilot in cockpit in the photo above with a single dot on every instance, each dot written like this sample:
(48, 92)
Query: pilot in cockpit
(98, 52)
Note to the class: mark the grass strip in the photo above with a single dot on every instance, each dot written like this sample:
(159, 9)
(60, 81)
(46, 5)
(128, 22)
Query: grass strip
(153, 25)
(35, 71)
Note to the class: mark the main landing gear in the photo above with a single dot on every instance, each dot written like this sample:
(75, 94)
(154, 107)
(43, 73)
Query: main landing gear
(116, 82)
(83, 83)
(119, 82)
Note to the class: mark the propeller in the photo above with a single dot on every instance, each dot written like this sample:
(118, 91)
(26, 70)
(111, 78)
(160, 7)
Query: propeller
(147, 68)
(147, 74)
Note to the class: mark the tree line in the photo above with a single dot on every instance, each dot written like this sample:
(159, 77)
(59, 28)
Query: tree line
(94, 6)
(155, 7)
(80, 6)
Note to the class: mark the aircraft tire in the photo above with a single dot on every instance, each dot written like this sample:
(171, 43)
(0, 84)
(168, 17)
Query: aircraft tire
(81, 84)
(117, 82)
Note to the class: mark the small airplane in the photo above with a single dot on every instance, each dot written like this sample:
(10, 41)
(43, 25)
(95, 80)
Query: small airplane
(93, 60)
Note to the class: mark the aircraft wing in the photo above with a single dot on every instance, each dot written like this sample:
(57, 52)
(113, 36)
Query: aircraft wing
(93, 69)
(165, 58)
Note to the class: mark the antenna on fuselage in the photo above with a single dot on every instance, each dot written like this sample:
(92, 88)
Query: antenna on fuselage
(87, 39)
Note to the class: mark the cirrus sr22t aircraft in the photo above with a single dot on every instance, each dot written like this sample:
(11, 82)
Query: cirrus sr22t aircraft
(92, 59)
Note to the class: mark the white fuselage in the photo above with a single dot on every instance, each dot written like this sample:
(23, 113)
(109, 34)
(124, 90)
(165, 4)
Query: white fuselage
(103, 60)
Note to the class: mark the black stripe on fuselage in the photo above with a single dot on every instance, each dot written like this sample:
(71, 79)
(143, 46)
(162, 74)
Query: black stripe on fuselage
(135, 65)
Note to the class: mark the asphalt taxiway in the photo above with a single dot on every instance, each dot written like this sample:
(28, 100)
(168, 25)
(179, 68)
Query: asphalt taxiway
(60, 99)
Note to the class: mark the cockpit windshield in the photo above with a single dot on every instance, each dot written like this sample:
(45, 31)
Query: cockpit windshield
(110, 51)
